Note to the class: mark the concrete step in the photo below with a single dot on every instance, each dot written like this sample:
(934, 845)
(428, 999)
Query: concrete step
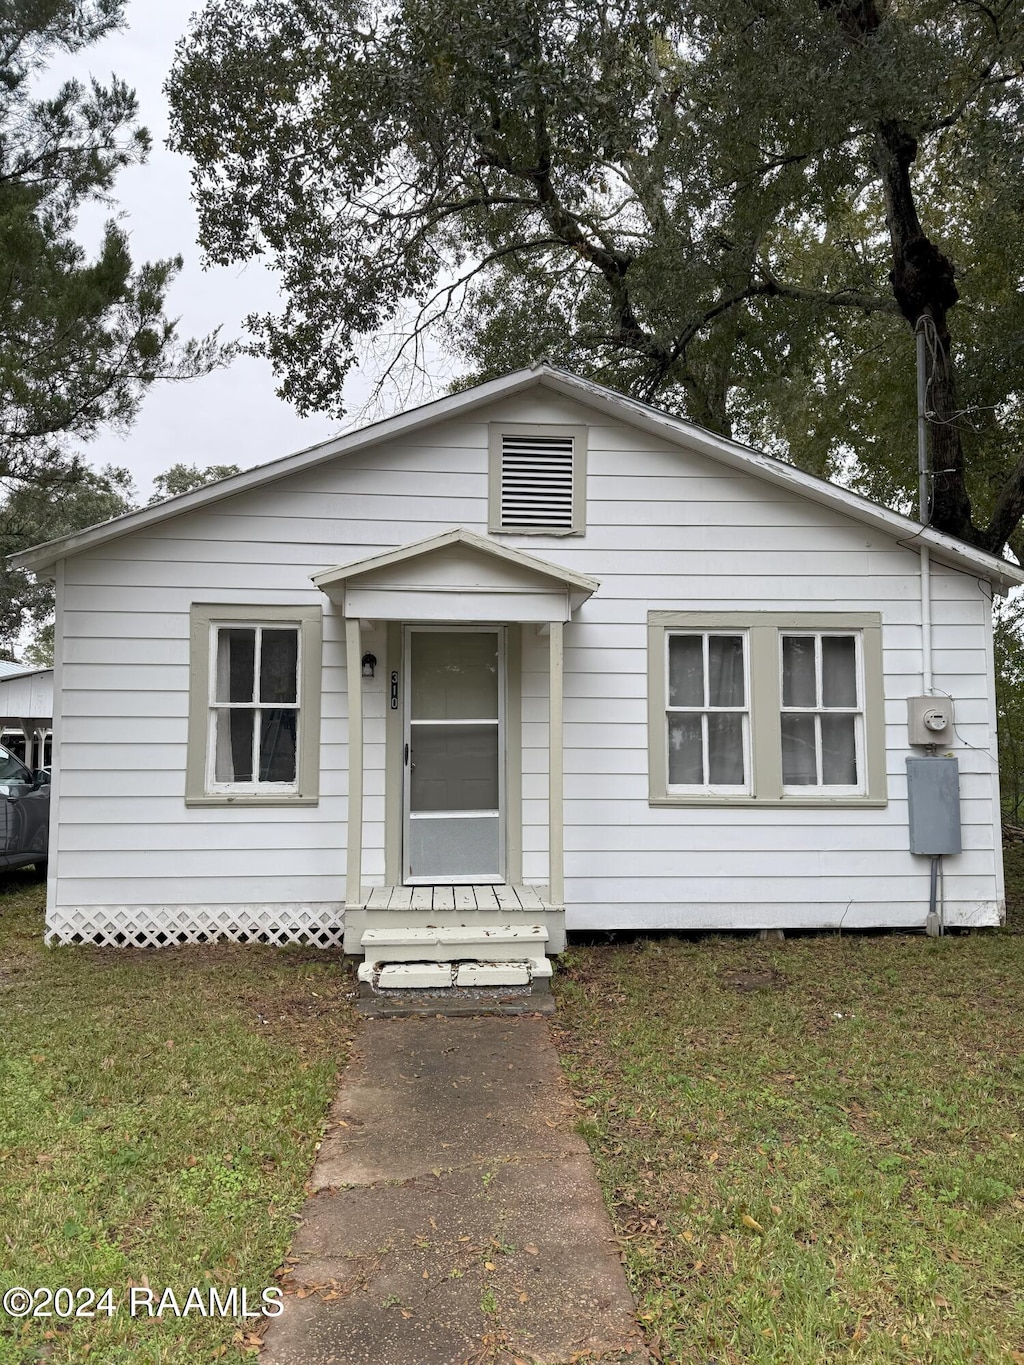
(446, 943)
(430, 975)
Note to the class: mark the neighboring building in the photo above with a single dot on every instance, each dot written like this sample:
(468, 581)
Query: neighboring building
(534, 655)
(26, 713)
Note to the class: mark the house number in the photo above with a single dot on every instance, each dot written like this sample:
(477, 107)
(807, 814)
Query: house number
(394, 691)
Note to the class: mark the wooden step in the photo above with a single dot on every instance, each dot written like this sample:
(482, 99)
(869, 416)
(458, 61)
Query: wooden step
(446, 943)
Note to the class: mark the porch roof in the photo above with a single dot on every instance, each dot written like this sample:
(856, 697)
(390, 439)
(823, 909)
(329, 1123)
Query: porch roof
(456, 576)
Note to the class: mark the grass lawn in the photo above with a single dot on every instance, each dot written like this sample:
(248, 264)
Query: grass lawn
(814, 1150)
(159, 1112)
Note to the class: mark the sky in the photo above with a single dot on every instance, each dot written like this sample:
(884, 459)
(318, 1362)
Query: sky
(232, 416)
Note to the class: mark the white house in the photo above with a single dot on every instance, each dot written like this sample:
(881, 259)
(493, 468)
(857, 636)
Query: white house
(530, 658)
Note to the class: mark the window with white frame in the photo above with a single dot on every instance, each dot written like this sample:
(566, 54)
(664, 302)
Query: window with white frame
(254, 706)
(254, 718)
(822, 714)
(755, 707)
(707, 711)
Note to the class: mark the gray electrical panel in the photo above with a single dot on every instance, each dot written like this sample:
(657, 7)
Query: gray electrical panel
(933, 793)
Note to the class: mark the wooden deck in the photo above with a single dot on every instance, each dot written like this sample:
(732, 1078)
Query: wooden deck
(497, 899)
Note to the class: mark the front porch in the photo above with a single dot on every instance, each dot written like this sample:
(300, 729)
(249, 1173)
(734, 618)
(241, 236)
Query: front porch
(387, 909)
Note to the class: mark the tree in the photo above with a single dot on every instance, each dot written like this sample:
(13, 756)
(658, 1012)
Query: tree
(59, 505)
(742, 210)
(52, 505)
(81, 340)
(184, 478)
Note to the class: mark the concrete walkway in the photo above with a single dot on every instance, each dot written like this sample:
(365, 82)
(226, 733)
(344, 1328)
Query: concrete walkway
(455, 1216)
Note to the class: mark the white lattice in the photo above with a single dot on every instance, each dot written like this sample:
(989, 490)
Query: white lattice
(315, 924)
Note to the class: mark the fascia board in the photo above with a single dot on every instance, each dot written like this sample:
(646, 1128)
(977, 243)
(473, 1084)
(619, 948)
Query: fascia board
(39, 557)
(911, 534)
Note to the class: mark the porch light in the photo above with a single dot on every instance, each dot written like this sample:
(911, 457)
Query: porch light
(369, 664)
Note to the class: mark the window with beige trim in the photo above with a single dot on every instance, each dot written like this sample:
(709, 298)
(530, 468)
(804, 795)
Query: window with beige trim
(537, 479)
(758, 707)
(254, 713)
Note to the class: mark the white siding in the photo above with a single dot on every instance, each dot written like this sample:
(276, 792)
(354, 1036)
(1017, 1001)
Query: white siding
(666, 529)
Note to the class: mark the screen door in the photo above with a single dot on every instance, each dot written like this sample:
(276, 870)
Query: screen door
(454, 755)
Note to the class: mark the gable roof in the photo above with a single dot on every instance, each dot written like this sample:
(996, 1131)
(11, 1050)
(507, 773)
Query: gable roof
(459, 535)
(676, 430)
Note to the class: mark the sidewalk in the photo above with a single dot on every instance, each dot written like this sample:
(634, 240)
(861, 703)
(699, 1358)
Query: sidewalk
(455, 1216)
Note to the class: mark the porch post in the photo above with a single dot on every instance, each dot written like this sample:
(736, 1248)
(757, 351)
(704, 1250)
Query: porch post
(556, 858)
(354, 672)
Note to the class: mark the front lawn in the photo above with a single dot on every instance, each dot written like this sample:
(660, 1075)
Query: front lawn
(159, 1112)
(812, 1151)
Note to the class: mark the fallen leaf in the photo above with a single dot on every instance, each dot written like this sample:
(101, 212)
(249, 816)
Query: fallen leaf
(426, 1274)
(488, 1265)
(751, 1223)
(775, 1209)
(687, 1236)
(530, 1249)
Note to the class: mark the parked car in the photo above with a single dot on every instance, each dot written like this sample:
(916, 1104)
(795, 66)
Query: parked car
(24, 813)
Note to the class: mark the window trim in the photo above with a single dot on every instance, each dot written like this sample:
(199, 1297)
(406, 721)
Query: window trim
(204, 617)
(496, 430)
(765, 630)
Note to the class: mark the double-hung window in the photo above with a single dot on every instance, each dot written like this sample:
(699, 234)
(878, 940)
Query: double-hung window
(707, 712)
(757, 707)
(822, 712)
(254, 721)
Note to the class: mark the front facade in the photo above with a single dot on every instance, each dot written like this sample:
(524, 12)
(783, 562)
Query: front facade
(534, 655)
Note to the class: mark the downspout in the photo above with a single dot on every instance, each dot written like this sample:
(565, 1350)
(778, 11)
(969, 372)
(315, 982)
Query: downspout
(934, 921)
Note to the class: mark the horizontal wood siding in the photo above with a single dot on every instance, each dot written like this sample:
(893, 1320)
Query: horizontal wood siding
(666, 529)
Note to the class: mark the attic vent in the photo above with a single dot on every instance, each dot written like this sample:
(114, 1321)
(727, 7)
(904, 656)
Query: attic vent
(537, 482)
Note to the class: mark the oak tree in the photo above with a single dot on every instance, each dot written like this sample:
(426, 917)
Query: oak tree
(742, 211)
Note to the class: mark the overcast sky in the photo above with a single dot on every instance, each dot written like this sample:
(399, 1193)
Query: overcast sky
(232, 416)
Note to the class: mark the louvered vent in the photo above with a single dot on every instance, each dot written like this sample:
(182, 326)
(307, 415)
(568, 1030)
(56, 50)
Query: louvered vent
(536, 481)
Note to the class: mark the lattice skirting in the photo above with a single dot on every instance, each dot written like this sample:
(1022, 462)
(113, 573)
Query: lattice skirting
(315, 924)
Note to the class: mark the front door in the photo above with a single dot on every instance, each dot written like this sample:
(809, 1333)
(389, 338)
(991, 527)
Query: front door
(454, 755)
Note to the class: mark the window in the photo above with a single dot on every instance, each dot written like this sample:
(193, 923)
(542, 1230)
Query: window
(707, 712)
(821, 713)
(754, 707)
(537, 482)
(254, 716)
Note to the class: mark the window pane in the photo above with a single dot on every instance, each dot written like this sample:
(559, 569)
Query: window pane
(685, 751)
(453, 767)
(279, 659)
(686, 670)
(236, 662)
(277, 745)
(838, 751)
(233, 759)
(838, 670)
(798, 685)
(798, 765)
(725, 670)
(454, 675)
(725, 749)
